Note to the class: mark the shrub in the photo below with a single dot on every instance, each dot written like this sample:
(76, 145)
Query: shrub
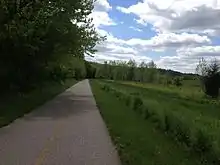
(166, 122)
(183, 133)
(202, 143)
(128, 100)
(177, 81)
(117, 94)
(145, 112)
(137, 103)
(178, 128)
(135, 93)
(106, 88)
(161, 120)
(156, 116)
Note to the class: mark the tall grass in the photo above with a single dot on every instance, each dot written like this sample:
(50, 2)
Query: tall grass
(137, 140)
(179, 118)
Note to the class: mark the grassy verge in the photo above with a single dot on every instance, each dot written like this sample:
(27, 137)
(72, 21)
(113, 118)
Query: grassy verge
(13, 107)
(137, 140)
(172, 100)
(190, 123)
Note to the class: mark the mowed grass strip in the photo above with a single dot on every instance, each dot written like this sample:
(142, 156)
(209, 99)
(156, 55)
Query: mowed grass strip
(137, 140)
(15, 106)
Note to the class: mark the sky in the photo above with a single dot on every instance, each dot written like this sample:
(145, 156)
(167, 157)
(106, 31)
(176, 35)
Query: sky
(175, 34)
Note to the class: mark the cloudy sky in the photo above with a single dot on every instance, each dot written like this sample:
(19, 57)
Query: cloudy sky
(173, 33)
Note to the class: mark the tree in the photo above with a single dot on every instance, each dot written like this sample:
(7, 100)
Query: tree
(37, 37)
(131, 68)
(178, 81)
(90, 70)
(209, 76)
(151, 71)
(143, 67)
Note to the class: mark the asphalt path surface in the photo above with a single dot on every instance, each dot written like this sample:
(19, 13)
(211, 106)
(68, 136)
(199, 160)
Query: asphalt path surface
(67, 130)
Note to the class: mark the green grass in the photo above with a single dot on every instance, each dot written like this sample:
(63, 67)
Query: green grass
(137, 140)
(15, 106)
(196, 120)
(173, 98)
(185, 91)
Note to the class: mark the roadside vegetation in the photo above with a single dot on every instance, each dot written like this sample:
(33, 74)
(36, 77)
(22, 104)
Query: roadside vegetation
(15, 106)
(182, 108)
(137, 137)
(42, 49)
(192, 123)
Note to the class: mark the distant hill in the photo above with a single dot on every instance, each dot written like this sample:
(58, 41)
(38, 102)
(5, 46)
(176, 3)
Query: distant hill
(176, 73)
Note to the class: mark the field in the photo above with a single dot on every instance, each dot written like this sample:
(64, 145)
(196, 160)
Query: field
(154, 124)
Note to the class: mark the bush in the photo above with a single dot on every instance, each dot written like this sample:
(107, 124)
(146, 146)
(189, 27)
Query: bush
(177, 127)
(161, 120)
(157, 117)
(117, 94)
(183, 133)
(137, 103)
(145, 112)
(106, 88)
(202, 143)
(177, 81)
(128, 100)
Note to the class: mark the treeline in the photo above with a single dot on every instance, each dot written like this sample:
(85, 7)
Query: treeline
(207, 73)
(43, 41)
(144, 72)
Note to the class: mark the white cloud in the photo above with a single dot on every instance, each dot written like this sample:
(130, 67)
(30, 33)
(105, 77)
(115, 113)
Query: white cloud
(162, 40)
(170, 40)
(101, 18)
(178, 15)
(102, 5)
(122, 9)
(186, 59)
(102, 57)
(182, 64)
(100, 14)
(203, 51)
(135, 29)
(118, 49)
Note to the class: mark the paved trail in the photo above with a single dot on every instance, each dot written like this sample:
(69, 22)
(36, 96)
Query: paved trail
(67, 130)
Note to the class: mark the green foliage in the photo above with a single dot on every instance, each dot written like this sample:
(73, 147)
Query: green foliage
(106, 88)
(119, 70)
(90, 70)
(15, 106)
(39, 39)
(210, 77)
(177, 81)
(202, 143)
(145, 72)
(137, 104)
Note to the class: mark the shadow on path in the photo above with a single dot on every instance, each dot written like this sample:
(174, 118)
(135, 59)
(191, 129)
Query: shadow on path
(63, 106)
